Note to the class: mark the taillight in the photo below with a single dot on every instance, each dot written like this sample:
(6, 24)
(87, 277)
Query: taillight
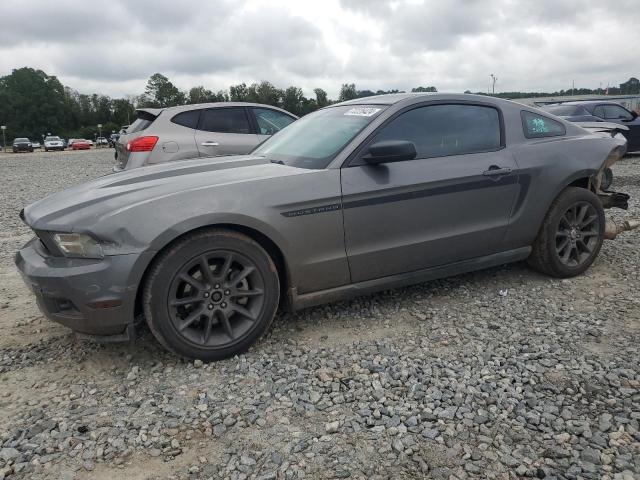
(142, 144)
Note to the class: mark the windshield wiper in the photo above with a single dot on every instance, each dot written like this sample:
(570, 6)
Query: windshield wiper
(279, 162)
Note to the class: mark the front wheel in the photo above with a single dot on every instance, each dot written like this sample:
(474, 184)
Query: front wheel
(571, 235)
(211, 295)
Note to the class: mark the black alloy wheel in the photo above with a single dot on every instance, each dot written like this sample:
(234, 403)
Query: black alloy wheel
(216, 298)
(577, 234)
(211, 294)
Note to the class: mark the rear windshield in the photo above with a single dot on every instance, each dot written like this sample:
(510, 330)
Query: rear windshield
(143, 121)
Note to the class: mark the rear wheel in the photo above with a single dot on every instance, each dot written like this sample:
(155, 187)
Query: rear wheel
(571, 235)
(211, 295)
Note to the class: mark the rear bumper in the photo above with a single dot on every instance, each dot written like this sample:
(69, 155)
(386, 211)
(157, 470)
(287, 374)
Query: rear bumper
(89, 296)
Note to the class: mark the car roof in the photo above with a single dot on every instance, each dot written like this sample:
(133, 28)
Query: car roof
(192, 106)
(395, 98)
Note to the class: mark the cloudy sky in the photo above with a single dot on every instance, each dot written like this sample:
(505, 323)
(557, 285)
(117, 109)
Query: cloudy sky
(376, 44)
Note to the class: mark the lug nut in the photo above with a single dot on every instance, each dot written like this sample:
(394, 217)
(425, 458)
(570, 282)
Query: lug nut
(227, 292)
(223, 305)
(217, 285)
(210, 307)
(206, 295)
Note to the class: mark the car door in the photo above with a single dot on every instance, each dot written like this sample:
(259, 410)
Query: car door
(452, 202)
(619, 114)
(269, 121)
(225, 131)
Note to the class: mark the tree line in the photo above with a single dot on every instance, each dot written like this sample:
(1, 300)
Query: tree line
(33, 103)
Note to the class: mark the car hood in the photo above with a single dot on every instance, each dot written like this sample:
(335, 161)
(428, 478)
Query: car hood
(78, 207)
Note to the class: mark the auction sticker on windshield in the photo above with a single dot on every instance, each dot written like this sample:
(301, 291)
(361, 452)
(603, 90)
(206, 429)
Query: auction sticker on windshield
(362, 111)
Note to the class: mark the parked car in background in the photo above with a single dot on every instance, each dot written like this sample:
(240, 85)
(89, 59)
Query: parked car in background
(601, 111)
(35, 144)
(64, 142)
(80, 144)
(22, 145)
(202, 130)
(113, 138)
(359, 196)
(53, 143)
(102, 142)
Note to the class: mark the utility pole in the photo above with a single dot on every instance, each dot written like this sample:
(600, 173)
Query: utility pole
(573, 87)
(494, 80)
(4, 140)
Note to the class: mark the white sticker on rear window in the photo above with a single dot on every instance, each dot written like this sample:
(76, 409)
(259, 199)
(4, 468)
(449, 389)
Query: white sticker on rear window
(362, 111)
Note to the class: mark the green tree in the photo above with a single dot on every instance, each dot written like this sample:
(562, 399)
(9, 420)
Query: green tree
(321, 98)
(264, 92)
(200, 95)
(238, 93)
(348, 92)
(162, 93)
(424, 89)
(293, 100)
(123, 112)
(33, 103)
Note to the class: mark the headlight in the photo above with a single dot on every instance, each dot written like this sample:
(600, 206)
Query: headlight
(78, 245)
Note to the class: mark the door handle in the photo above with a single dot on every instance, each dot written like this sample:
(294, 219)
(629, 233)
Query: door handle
(209, 144)
(496, 170)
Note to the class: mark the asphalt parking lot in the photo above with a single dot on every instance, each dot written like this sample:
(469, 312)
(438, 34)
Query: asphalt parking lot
(500, 374)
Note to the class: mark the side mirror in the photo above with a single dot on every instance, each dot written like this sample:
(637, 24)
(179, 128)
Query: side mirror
(388, 151)
(634, 115)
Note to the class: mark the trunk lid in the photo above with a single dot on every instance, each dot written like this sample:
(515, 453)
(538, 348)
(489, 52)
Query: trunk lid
(146, 116)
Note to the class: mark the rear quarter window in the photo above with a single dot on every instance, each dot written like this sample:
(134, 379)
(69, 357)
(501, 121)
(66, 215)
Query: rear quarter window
(539, 126)
(187, 119)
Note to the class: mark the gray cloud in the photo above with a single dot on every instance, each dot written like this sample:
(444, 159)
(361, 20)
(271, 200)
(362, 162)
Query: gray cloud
(455, 45)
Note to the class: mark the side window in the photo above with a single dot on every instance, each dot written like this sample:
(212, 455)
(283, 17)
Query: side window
(442, 130)
(225, 120)
(187, 119)
(538, 126)
(599, 111)
(615, 112)
(271, 121)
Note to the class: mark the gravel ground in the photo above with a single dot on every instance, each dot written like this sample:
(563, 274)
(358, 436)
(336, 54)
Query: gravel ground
(496, 374)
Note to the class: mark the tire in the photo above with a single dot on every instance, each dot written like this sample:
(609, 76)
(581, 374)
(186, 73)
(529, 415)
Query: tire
(214, 315)
(46, 149)
(607, 179)
(571, 234)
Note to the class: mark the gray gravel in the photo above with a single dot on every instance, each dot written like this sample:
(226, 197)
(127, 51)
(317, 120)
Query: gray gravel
(497, 374)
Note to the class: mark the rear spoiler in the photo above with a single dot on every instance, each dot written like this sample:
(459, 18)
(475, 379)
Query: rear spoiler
(604, 127)
(148, 113)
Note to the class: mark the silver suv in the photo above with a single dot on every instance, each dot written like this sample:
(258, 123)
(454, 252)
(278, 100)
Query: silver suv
(162, 135)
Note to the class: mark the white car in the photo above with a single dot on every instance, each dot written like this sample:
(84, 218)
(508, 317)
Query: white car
(53, 143)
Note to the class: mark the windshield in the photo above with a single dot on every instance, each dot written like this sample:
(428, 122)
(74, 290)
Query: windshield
(52, 139)
(316, 139)
(21, 140)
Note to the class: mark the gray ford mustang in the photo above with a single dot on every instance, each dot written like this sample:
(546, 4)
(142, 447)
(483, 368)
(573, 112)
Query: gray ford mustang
(360, 196)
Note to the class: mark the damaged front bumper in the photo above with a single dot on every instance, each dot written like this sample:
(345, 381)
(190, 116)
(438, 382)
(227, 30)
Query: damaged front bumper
(611, 199)
(86, 295)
